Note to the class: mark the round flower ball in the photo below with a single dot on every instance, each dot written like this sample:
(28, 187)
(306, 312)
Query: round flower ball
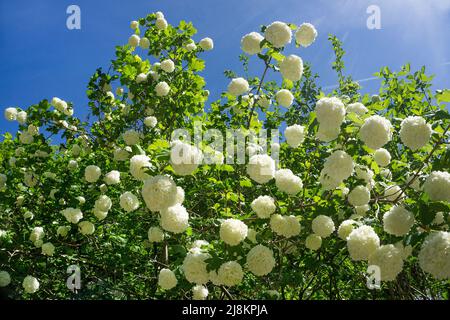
(129, 202)
(390, 261)
(233, 231)
(138, 166)
(162, 89)
(323, 226)
(10, 114)
(230, 273)
(284, 98)
(194, 266)
(103, 203)
(376, 131)
(295, 135)
(263, 206)
(238, 86)
(144, 43)
(306, 34)
(382, 157)
(175, 219)
(261, 168)
(250, 43)
(167, 279)
(48, 249)
(357, 108)
(5, 279)
(199, 292)
(398, 221)
(291, 67)
(330, 112)
(161, 23)
(112, 177)
(434, 255)
(288, 182)
(134, 25)
(313, 242)
(150, 121)
(260, 260)
(362, 242)
(359, 196)
(437, 186)
(155, 234)
(86, 227)
(72, 215)
(392, 193)
(206, 44)
(415, 132)
(345, 228)
(278, 34)
(159, 192)
(134, 40)
(167, 66)
(92, 173)
(30, 284)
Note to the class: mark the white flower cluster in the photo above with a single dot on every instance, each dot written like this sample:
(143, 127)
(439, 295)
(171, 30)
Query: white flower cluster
(206, 44)
(345, 228)
(415, 132)
(72, 215)
(150, 121)
(398, 221)
(175, 219)
(233, 231)
(5, 279)
(167, 279)
(260, 260)
(155, 234)
(376, 132)
(362, 242)
(230, 273)
(264, 206)
(162, 89)
(330, 113)
(185, 158)
(92, 173)
(295, 135)
(357, 108)
(393, 192)
(86, 227)
(434, 255)
(337, 167)
(390, 261)
(261, 168)
(194, 266)
(131, 137)
(359, 196)
(159, 193)
(323, 226)
(199, 292)
(250, 43)
(284, 98)
(138, 165)
(30, 284)
(287, 226)
(278, 34)
(291, 67)
(437, 186)
(167, 66)
(112, 177)
(129, 202)
(238, 86)
(48, 249)
(382, 157)
(288, 182)
(313, 241)
(306, 34)
(62, 106)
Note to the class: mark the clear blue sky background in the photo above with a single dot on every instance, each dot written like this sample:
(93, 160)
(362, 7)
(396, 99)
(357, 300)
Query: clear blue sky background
(41, 58)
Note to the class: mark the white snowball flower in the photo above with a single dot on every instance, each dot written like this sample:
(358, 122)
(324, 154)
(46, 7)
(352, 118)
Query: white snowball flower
(175, 219)
(327, 134)
(161, 23)
(238, 86)
(138, 165)
(92, 173)
(415, 132)
(131, 137)
(291, 67)
(398, 221)
(134, 40)
(144, 43)
(22, 117)
(382, 157)
(233, 231)
(30, 284)
(287, 226)
(5, 279)
(129, 202)
(26, 138)
(150, 122)
(103, 203)
(159, 192)
(295, 135)
(359, 196)
(260, 260)
(288, 182)
(11, 114)
(86, 227)
(306, 34)
(250, 43)
(330, 112)
(376, 131)
(206, 44)
(159, 14)
(362, 242)
(390, 261)
(392, 193)
(263, 206)
(434, 255)
(284, 98)
(48, 249)
(162, 89)
(199, 292)
(155, 234)
(112, 177)
(337, 167)
(167, 279)
(313, 241)
(167, 66)
(72, 215)
(360, 210)
(437, 186)
(357, 108)
(134, 25)
(323, 226)
(230, 273)
(191, 46)
(345, 228)
(261, 168)
(63, 231)
(141, 77)
(194, 266)
(38, 233)
(278, 34)
(185, 158)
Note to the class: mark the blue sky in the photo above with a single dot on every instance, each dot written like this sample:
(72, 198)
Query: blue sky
(41, 58)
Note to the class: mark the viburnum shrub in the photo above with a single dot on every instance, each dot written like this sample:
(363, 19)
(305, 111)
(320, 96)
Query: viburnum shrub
(276, 190)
